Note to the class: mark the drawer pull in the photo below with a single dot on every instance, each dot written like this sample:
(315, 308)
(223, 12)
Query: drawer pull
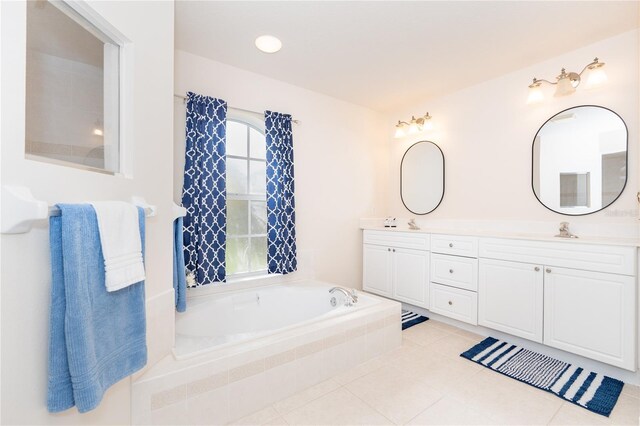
(536, 269)
(388, 249)
(394, 250)
(450, 244)
(548, 270)
(451, 271)
(450, 302)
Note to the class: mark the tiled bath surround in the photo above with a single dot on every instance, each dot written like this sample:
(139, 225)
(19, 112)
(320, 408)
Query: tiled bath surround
(228, 384)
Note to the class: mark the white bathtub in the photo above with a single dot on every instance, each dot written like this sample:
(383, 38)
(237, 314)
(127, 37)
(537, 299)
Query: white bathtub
(238, 352)
(218, 320)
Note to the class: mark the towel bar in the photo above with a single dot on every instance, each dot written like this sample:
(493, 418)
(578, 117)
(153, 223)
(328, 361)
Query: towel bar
(149, 210)
(20, 210)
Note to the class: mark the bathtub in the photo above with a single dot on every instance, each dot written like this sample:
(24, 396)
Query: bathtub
(240, 351)
(215, 321)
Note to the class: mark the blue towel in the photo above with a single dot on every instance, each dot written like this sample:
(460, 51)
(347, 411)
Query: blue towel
(96, 338)
(179, 275)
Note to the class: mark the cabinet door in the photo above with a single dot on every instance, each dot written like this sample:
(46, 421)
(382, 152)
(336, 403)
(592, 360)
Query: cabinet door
(376, 265)
(510, 298)
(411, 276)
(591, 314)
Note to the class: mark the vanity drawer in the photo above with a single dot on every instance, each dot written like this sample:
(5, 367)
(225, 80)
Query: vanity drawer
(455, 271)
(410, 240)
(454, 244)
(589, 257)
(454, 303)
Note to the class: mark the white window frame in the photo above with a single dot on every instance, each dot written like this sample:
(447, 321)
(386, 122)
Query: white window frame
(122, 105)
(249, 197)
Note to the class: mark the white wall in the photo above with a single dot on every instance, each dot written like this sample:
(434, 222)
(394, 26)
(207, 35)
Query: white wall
(340, 160)
(486, 132)
(25, 274)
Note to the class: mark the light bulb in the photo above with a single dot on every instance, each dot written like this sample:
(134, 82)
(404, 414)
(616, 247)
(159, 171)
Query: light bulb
(399, 132)
(428, 125)
(597, 77)
(413, 126)
(535, 95)
(564, 87)
(98, 132)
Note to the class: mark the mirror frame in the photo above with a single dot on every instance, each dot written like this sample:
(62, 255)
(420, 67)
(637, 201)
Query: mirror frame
(443, 177)
(626, 169)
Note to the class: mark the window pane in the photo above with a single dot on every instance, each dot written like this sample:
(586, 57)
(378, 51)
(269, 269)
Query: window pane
(258, 217)
(258, 144)
(258, 177)
(237, 255)
(72, 89)
(236, 139)
(237, 217)
(258, 253)
(236, 176)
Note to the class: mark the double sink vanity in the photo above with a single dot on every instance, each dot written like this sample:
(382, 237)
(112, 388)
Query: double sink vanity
(575, 294)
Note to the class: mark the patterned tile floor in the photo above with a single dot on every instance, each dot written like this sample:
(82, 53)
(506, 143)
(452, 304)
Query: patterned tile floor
(425, 382)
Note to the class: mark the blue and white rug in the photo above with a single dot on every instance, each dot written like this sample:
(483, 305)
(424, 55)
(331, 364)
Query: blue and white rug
(409, 319)
(592, 391)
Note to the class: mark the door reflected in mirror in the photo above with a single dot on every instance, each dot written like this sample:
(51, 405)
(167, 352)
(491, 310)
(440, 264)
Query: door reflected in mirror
(580, 160)
(422, 177)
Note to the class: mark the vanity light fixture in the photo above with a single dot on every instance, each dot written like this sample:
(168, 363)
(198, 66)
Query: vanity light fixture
(416, 125)
(567, 82)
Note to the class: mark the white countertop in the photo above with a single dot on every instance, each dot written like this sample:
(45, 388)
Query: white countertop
(629, 242)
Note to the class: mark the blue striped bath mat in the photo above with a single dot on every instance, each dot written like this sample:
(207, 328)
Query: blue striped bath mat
(592, 391)
(409, 319)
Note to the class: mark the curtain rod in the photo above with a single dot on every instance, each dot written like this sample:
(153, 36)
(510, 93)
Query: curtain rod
(184, 99)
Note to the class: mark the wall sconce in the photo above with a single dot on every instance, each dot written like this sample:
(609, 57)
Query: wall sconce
(416, 125)
(567, 82)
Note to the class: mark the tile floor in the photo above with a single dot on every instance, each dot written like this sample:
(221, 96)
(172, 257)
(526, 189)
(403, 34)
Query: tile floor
(425, 382)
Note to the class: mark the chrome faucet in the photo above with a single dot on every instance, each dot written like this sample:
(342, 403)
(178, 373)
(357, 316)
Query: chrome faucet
(352, 297)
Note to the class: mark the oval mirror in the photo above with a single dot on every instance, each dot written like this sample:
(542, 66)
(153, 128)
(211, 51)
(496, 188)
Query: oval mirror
(580, 160)
(422, 177)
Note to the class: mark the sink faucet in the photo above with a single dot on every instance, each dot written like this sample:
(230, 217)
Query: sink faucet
(352, 297)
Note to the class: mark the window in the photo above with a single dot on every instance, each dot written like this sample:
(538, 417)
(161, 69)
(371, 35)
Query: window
(72, 90)
(246, 199)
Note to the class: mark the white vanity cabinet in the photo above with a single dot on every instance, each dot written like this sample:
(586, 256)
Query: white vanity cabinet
(454, 277)
(591, 314)
(396, 265)
(510, 298)
(580, 298)
(577, 296)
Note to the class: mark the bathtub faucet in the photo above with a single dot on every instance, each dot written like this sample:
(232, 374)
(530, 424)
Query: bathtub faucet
(352, 297)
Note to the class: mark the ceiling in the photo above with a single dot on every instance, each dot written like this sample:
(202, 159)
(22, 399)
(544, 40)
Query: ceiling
(388, 54)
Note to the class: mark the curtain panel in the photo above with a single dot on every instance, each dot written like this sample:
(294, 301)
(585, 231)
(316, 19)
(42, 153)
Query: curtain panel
(281, 216)
(204, 190)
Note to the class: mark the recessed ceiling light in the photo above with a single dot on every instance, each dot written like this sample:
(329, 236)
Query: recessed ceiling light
(268, 44)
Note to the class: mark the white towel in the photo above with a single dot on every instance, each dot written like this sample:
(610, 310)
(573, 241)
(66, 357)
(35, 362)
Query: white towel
(120, 241)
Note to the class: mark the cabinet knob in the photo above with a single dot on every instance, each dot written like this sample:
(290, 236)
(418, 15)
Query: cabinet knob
(451, 271)
(450, 244)
(548, 270)
(388, 249)
(536, 269)
(394, 250)
(450, 302)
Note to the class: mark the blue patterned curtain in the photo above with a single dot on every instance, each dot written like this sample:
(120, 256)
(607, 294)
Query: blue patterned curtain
(204, 192)
(281, 215)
